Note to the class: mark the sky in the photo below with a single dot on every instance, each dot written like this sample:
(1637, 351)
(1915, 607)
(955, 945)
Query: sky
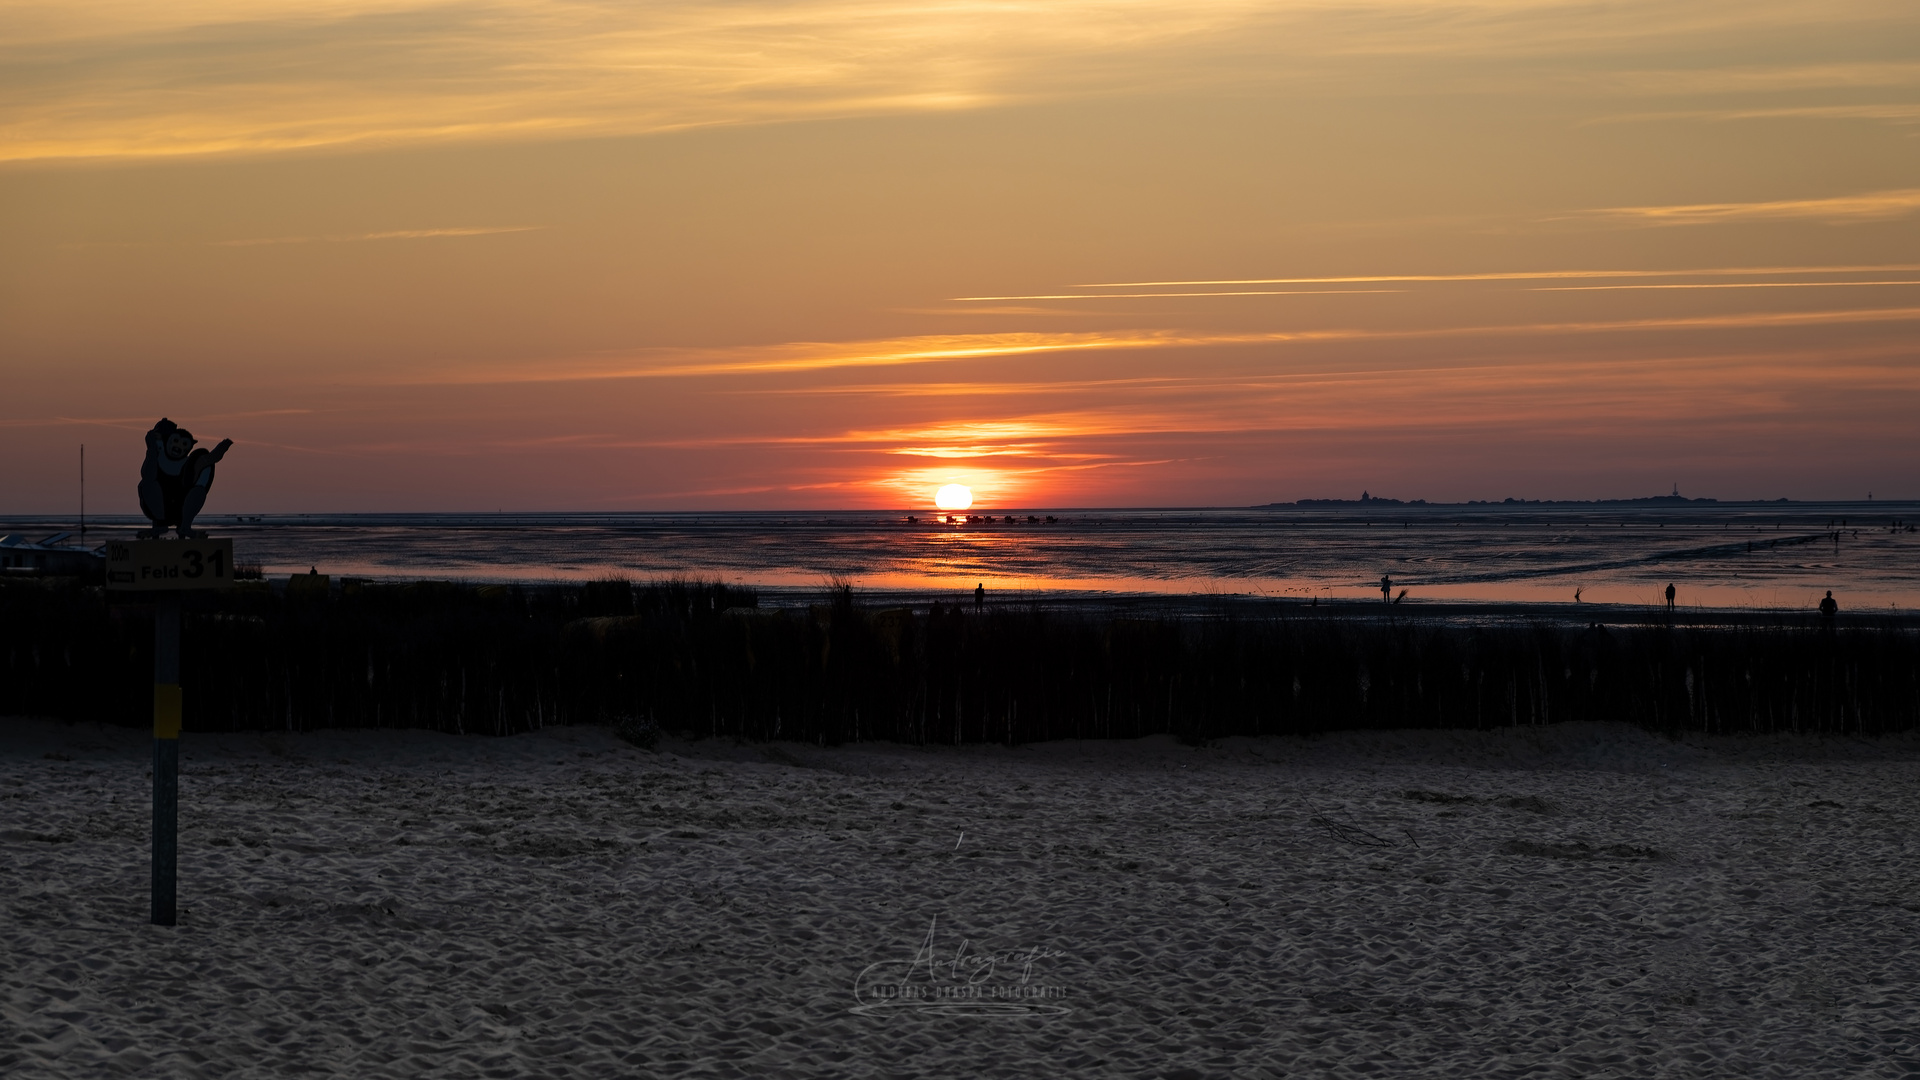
(793, 254)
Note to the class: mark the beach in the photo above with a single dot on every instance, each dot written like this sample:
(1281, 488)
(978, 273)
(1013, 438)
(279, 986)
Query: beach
(1569, 900)
(820, 540)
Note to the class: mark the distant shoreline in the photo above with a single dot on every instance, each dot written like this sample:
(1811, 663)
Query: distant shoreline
(66, 519)
(1723, 556)
(1675, 501)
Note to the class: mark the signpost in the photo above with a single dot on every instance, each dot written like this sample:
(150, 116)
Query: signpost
(166, 567)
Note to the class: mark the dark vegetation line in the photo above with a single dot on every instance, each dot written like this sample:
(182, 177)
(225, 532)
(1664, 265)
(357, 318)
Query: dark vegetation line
(703, 660)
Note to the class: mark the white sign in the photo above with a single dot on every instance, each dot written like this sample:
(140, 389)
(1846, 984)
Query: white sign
(143, 565)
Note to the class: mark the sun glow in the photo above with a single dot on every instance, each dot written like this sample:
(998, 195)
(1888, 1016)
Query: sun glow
(953, 497)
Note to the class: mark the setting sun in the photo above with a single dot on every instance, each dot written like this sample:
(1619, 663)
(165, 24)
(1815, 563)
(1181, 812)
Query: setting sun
(953, 497)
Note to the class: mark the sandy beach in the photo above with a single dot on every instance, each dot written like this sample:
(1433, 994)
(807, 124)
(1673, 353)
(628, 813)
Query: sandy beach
(1574, 901)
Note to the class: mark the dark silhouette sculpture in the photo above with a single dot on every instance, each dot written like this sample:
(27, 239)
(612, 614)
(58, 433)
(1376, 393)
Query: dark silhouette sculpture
(1829, 607)
(175, 479)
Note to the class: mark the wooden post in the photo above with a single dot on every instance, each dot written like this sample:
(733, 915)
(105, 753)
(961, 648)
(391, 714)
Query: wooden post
(166, 756)
(166, 568)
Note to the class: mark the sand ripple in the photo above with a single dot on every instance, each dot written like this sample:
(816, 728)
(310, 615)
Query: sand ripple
(1577, 901)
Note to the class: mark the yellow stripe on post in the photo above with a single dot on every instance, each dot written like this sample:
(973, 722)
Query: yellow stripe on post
(166, 710)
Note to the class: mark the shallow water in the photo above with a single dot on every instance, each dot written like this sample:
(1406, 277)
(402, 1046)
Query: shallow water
(1734, 555)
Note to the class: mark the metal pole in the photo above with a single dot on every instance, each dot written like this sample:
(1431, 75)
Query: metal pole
(166, 755)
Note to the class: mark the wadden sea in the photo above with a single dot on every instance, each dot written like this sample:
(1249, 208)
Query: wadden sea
(639, 872)
(1718, 555)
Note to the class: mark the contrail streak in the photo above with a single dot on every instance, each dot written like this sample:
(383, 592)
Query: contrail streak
(1137, 295)
(1533, 275)
(1724, 285)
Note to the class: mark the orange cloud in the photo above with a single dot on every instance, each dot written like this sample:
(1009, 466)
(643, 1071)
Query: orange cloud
(398, 234)
(1724, 285)
(223, 77)
(1872, 206)
(949, 348)
(1136, 296)
(1516, 275)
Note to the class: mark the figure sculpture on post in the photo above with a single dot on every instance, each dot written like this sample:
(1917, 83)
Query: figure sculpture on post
(175, 478)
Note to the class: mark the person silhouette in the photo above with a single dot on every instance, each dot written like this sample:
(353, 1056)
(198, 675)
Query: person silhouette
(175, 479)
(1386, 588)
(1829, 607)
(980, 596)
(1669, 597)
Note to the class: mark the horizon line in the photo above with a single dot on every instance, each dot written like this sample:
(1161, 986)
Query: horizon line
(1383, 502)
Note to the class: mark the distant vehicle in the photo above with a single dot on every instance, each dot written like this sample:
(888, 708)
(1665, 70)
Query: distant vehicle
(50, 556)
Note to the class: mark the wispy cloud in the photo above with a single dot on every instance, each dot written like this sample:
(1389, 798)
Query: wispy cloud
(1233, 385)
(1098, 429)
(950, 348)
(985, 388)
(219, 76)
(141, 423)
(1898, 113)
(808, 356)
(1872, 206)
(106, 79)
(396, 234)
(1725, 285)
(1143, 295)
(1737, 78)
(1525, 275)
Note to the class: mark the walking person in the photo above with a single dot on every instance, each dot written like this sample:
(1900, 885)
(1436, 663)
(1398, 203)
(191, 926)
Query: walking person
(1669, 598)
(1386, 588)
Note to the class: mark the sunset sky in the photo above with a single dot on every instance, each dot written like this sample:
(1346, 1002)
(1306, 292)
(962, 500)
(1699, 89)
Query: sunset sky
(837, 253)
